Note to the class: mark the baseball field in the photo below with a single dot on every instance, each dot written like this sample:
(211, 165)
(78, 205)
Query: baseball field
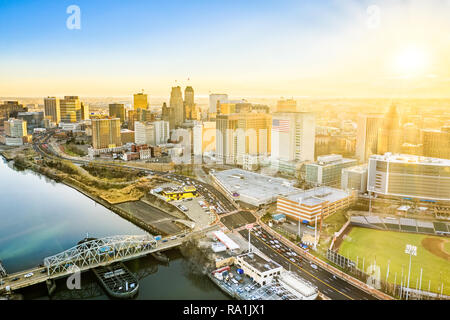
(383, 247)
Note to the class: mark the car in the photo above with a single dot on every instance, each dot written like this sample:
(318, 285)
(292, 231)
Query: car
(293, 260)
(313, 266)
(165, 240)
(28, 275)
(44, 271)
(15, 279)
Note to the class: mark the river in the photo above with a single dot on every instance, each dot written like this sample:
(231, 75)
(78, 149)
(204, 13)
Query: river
(39, 218)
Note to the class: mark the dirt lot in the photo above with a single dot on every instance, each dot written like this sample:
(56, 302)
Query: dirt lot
(436, 247)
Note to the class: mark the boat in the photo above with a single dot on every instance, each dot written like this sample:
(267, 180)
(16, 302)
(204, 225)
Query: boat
(117, 280)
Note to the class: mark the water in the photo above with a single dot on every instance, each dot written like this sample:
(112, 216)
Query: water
(39, 218)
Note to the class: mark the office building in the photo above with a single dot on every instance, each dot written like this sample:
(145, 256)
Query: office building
(117, 110)
(390, 134)
(242, 133)
(71, 110)
(292, 138)
(367, 135)
(327, 171)
(106, 133)
(177, 106)
(132, 118)
(144, 133)
(191, 110)
(436, 143)
(399, 175)
(204, 136)
(162, 132)
(15, 128)
(354, 178)
(9, 109)
(140, 101)
(52, 109)
(33, 119)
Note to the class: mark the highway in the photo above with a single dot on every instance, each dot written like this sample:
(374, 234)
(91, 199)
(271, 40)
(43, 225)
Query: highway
(328, 284)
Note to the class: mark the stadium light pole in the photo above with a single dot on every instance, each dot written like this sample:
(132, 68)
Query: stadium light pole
(411, 250)
(420, 283)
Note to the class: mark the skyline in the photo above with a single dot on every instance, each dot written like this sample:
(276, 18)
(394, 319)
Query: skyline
(256, 48)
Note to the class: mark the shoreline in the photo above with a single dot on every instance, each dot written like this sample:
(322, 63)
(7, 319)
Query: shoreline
(120, 212)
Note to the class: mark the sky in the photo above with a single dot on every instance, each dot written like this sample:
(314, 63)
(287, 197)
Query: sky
(327, 48)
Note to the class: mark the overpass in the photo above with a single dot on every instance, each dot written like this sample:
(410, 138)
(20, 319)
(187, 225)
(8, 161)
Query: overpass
(92, 254)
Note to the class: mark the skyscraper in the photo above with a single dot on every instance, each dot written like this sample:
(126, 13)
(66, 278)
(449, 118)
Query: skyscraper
(240, 134)
(190, 108)
(390, 135)
(140, 101)
(52, 109)
(117, 110)
(293, 136)
(106, 133)
(177, 106)
(367, 135)
(71, 110)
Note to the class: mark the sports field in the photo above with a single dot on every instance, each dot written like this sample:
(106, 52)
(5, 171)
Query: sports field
(433, 255)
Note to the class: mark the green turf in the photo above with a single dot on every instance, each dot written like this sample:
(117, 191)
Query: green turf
(390, 245)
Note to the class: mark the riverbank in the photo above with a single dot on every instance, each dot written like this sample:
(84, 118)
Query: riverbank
(145, 221)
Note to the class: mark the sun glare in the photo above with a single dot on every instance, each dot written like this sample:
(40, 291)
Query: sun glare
(412, 61)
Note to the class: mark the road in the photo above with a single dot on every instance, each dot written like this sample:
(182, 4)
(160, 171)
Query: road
(331, 286)
(211, 194)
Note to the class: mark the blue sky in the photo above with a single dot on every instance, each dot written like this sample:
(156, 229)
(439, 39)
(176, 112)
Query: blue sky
(254, 46)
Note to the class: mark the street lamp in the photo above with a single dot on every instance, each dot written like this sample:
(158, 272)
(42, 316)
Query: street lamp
(412, 251)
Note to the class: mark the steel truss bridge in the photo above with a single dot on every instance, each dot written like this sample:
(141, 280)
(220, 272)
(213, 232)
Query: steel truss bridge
(99, 252)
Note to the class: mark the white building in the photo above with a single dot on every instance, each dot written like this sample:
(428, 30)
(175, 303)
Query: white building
(144, 133)
(204, 136)
(355, 178)
(293, 136)
(400, 175)
(259, 269)
(162, 132)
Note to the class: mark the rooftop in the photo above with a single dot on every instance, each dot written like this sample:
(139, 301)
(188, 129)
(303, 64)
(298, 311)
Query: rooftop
(254, 185)
(407, 158)
(259, 263)
(358, 169)
(316, 196)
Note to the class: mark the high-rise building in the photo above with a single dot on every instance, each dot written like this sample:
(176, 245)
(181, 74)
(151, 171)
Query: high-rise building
(288, 105)
(390, 135)
(242, 133)
(177, 106)
(9, 109)
(33, 119)
(106, 133)
(190, 108)
(84, 111)
(355, 178)
(140, 101)
(71, 110)
(144, 133)
(117, 110)
(436, 143)
(52, 109)
(162, 132)
(15, 128)
(204, 137)
(214, 98)
(145, 115)
(400, 175)
(293, 136)
(367, 135)
(132, 118)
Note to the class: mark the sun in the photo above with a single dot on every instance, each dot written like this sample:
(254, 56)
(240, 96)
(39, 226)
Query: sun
(412, 60)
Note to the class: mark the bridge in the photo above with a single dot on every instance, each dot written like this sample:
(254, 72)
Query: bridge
(92, 254)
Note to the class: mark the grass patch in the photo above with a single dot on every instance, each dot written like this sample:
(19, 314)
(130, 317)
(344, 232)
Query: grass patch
(383, 246)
